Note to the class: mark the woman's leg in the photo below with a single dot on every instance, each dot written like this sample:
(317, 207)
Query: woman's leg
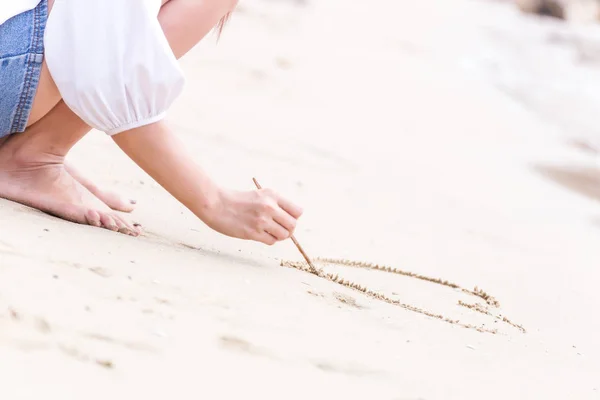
(32, 170)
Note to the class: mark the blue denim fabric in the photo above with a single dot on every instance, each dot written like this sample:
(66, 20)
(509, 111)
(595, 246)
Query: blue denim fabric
(21, 56)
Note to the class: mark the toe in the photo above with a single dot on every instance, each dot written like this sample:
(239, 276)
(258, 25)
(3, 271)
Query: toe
(108, 222)
(93, 218)
(124, 226)
(138, 228)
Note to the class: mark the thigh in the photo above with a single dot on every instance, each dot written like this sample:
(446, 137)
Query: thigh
(47, 95)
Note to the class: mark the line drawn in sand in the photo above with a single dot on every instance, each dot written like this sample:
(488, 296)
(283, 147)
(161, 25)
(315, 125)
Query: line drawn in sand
(486, 309)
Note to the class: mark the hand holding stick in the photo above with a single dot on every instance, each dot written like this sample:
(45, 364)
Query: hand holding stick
(313, 269)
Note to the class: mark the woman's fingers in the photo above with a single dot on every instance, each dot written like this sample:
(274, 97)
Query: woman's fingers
(289, 207)
(266, 238)
(271, 217)
(285, 220)
(281, 215)
(277, 231)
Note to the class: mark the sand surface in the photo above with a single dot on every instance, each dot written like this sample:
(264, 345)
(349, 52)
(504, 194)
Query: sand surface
(454, 139)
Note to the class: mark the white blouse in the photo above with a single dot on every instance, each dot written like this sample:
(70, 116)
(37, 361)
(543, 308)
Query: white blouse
(11, 8)
(111, 61)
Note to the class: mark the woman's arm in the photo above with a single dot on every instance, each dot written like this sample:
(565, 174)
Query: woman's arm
(256, 215)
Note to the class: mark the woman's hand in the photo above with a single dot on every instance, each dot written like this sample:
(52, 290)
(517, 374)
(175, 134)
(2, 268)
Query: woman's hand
(259, 215)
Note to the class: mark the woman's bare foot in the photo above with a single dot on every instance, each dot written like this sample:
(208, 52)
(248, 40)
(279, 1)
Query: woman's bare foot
(41, 181)
(111, 199)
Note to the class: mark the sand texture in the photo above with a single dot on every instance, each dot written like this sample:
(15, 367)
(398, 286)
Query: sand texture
(448, 151)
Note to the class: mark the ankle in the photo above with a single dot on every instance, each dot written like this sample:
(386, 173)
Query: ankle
(24, 154)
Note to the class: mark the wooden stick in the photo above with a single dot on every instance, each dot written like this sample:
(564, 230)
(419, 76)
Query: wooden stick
(313, 269)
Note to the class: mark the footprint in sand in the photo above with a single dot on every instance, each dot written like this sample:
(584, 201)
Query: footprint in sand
(351, 370)
(585, 181)
(585, 147)
(237, 344)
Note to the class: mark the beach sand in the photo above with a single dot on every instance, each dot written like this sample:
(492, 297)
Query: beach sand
(452, 139)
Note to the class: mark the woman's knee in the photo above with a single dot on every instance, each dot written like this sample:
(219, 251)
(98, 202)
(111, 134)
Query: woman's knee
(47, 95)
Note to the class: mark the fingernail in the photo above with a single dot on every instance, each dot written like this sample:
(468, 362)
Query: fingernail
(133, 201)
(137, 225)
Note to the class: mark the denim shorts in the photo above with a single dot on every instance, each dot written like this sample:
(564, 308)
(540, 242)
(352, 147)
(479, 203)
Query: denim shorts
(21, 56)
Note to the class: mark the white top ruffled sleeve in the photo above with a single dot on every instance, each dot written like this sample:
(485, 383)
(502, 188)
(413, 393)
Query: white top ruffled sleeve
(111, 62)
